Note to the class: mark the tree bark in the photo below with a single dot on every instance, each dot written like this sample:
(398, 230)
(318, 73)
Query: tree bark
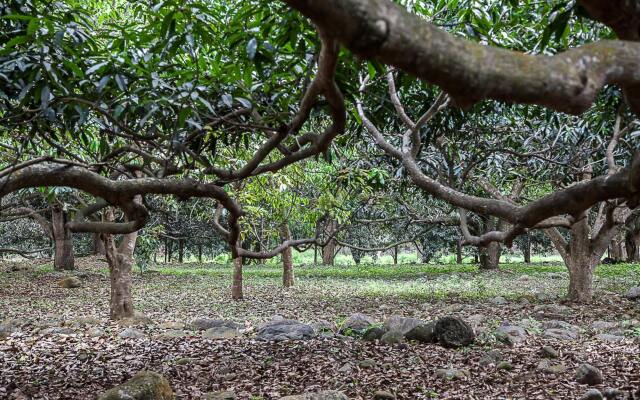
(200, 253)
(236, 287)
(328, 251)
(180, 250)
(459, 251)
(395, 255)
(526, 251)
(63, 256)
(121, 302)
(287, 258)
(490, 256)
(98, 245)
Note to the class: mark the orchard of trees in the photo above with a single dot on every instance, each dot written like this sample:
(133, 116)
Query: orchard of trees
(247, 134)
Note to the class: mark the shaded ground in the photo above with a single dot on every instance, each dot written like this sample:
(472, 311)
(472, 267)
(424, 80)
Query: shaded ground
(34, 364)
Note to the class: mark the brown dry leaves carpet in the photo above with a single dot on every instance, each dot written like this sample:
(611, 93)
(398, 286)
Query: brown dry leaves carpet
(34, 365)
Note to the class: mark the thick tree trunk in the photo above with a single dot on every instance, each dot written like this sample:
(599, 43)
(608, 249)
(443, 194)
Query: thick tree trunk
(581, 279)
(236, 286)
(581, 262)
(459, 251)
(328, 251)
(490, 256)
(63, 256)
(287, 257)
(121, 301)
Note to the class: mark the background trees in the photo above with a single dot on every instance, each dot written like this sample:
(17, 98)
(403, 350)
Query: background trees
(289, 141)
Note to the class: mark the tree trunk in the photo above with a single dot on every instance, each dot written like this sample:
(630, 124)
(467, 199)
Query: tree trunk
(63, 256)
(121, 302)
(395, 255)
(526, 251)
(581, 263)
(200, 253)
(98, 245)
(357, 255)
(328, 251)
(180, 250)
(490, 256)
(236, 287)
(315, 254)
(287, 257)
(631, 241)
(581, 279)
(459, 251)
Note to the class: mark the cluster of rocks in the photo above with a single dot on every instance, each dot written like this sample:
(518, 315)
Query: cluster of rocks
(448, 331)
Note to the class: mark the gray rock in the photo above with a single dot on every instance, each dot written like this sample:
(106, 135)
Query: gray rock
(592, 394)
(511, 334)
(490, 357)
(226, 395)
(346, 368)
(286, 329)
(453, 332)
(451, 373)
(383, 395)
(401, 324)
(202, 324)
(607, 337)
(548, 367)
(144, 386)
(357, 322)
(95, 332)
(373, 333)
(561, 334)
(367, 363)
(324, 326)
(392, 337)
(633, 293)
(171, 334)
(175, 325)
(131, 333)
(551, 311)
(423, 333)
(138, 319)
(6, 330)
(324, 395)
(588, 374)
(84, 321)
(557, 324)
(603, 326)
(221, 332)
(70, 282)
(612, 393)
(57, 331)
(499, 300)
(549, 352)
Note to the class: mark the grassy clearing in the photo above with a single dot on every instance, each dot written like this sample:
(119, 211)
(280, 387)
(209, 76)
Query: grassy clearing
(427, 282)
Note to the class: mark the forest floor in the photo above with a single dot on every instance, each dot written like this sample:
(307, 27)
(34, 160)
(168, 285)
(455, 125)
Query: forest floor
(64, 346)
